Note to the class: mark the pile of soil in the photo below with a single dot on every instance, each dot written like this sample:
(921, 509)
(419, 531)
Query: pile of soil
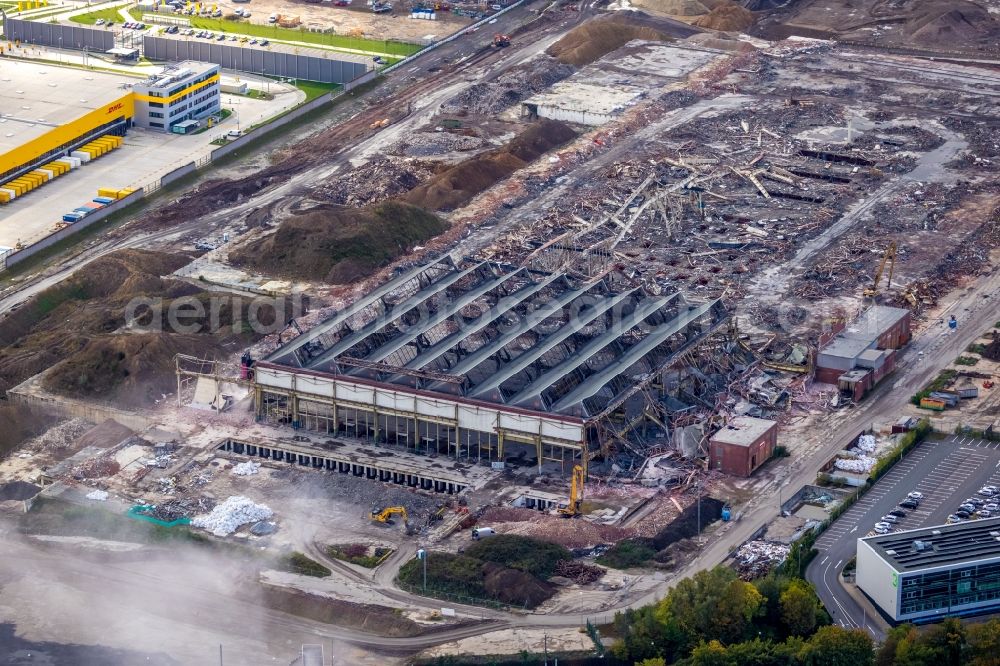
(686, 524)
(128, 370)
(103, 435)
(992, 351)
(18, 490)
(515, 84)
(74, 327)
(18, 424)
(338, 244)
(949, 23)
(457, 185)
(514, 587)
(728, 17)
(600, 36)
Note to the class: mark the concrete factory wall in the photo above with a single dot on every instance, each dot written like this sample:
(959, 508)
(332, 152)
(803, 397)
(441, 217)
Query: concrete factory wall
(271, 63)
(54, 34)
(28, 393)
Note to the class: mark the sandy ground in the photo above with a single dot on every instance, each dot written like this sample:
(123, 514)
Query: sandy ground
(348, 20)
(502, 642)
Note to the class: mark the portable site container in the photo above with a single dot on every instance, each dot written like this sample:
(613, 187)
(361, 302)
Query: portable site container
(104, 200)
(5, 196)
(84, 157)
(947, 397)
(83, 210)
(92, 205)
(125, 192)
(932, 404)
(107, 192)
(72, 217)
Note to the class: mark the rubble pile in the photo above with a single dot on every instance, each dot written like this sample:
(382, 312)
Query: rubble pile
(181, 508)
(248, 468)
(518, 83)
(98, 495)
(755, 559)
(867, 443)
(380, 179)
(568, 533)
(430, 144)
(227, 517)
(860, 465)
(96, 468)
(578, 572)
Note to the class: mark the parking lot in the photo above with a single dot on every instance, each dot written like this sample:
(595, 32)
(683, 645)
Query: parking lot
(945, 471)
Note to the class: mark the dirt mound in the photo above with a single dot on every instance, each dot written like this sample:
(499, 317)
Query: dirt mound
(457, 185)
(18, 490)
(992, 351)
(337, 244)
(947, 23)
(600, 36)
(727, 18)
(128, 370)
(673, 7)
(514, 587)
(103, 435)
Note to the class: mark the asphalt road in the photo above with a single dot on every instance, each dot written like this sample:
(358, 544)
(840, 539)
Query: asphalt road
(945, 471)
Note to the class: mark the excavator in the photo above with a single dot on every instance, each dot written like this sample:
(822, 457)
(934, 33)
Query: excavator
(572, 509)
(384, 516)
(889, 256)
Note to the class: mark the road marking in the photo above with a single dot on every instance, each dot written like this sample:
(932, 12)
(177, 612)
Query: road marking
(855, 529)
(823, 561)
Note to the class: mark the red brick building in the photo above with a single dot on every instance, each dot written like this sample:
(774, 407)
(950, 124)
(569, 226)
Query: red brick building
(864, 352)
(743, 445)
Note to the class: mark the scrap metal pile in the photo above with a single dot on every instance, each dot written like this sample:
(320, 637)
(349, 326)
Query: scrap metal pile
(754, 559)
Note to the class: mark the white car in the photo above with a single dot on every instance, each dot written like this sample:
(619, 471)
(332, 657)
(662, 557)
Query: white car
(883, 525)
(953, 519)
(987, 492)
(99, 22)
(994, 489)
(915, 495)
(992, 506)
(983, 513)
(890, 519)
(881, 530)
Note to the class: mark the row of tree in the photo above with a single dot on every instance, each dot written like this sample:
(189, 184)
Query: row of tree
(716, 619)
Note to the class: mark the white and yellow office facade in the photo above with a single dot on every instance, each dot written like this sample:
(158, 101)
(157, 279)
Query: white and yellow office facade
(42, 124)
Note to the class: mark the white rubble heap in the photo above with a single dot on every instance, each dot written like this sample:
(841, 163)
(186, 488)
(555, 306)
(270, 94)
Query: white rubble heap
(859, 465)
(226, 518)
(248, 468)
(867, 443)
(99, 495)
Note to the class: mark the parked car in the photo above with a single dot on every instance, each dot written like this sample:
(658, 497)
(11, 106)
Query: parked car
(99, 22)
(253, 41)
(880, 530)
(909, 504)
(962, 513)
(883, 525)
(992, 506)
(264, 42)
(915, 495)
(954, 518)
(221, 38)
(987, 491)
(899, 513)
(967, 507)
(974, 500)
(889, 518)
(983, 513)
(994, 489)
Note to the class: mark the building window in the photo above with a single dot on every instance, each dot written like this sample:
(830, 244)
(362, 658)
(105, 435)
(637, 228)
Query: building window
(155, 114)
(156, 105)
(160, 125)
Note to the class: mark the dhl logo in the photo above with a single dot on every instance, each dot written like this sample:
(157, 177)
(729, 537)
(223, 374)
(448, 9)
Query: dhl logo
(116, 107)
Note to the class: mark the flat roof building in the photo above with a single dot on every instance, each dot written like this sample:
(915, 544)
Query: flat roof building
(933, 572)
(864, 351)
(742, 445)
(183, 91)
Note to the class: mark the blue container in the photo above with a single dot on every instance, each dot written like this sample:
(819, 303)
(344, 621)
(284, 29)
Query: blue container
(726, 513)
(103, 200)
(72, 217)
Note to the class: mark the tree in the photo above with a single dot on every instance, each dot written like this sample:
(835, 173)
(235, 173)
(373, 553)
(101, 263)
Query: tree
(646, 634)
(714, 604)
(654, 661)
(984, 644)
(765, 653)
(836, 646)
(712, 653)
(947, 641)
(799, 606)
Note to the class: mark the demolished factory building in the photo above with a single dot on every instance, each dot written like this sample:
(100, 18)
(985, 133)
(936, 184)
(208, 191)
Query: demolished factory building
(487, 362)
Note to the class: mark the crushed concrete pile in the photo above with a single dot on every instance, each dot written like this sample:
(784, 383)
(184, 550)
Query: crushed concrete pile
(754, 559)
(517, 83)
(96, 468)
(720, 42)
(456, 186)
(98, 495)
(338, 244)
(600, 36)
(228, 516)
(431, 144)
(860, 465)
(380, 179)
(867, 443)
(727, 18)
(248, 468)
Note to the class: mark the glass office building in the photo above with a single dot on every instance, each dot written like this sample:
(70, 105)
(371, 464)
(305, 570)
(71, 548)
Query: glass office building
(941, 571)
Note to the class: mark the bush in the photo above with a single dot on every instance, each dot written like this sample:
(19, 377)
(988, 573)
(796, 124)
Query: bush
(298, 563)
(532, 556)
(357, 553)
(966, 360)
(781, 452)
(628, 553)
(448, 573)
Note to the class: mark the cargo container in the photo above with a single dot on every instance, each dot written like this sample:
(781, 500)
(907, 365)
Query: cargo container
(104, 200)
(125, 192)
(83, 210)
(932, 404)
(72, 217)
(107, 192)
(93, 205)
(947, 397)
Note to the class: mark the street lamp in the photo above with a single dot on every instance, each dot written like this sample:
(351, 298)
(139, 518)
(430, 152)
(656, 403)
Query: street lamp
(422, 555)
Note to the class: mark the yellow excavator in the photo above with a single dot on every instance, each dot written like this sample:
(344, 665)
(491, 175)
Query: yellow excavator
(572, 509)
(385, 515)
(889, 256)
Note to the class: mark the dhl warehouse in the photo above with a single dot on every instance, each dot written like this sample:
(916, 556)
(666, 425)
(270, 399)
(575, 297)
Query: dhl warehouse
(53, 121)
